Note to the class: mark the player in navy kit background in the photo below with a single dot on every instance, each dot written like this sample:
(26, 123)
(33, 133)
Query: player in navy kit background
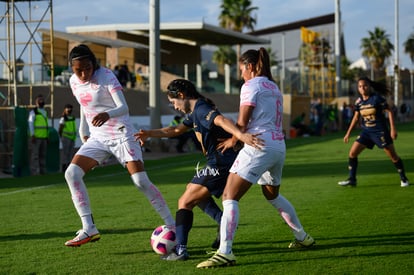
(370, 110)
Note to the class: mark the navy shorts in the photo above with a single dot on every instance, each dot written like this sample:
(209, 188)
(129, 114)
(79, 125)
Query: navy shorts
(214, 178)
(382, 139)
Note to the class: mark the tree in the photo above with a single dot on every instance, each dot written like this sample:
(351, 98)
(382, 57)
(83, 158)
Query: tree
(409, 46)
(377, 48)
(224, 55)
(236, 15)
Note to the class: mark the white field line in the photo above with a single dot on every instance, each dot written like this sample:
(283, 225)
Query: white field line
(103, 176)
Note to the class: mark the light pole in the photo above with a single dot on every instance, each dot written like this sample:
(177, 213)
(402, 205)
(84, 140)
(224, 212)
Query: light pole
(412, 83)
(337, 47)
(396, 66)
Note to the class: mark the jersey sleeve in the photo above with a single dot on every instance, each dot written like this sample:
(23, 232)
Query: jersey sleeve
(112, 82)
(206, 115)
(188, 121)
(248, 95)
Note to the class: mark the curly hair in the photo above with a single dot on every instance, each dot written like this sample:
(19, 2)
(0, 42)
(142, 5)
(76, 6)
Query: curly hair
(187, 88)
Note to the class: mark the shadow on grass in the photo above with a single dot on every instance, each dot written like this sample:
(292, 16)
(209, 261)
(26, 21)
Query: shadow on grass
(365, 167)
(52, 235)
(401, 244)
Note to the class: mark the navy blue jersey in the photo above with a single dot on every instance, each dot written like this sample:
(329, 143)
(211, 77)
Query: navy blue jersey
(372, 113)
(209, 135)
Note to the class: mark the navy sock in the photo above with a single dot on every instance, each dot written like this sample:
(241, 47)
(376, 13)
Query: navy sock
(183, 225)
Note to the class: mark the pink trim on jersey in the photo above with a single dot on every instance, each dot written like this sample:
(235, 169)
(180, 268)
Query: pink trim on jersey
(248, 104)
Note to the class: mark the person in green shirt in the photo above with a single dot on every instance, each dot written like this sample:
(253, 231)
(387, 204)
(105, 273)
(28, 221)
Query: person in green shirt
(67, 133)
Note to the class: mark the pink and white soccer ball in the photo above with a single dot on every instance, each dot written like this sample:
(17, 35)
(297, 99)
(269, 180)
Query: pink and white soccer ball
(163, 240)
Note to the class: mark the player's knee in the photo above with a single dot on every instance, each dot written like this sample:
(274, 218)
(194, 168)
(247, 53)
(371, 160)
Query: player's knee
(73, 172)
(141, 180)
(186, 203)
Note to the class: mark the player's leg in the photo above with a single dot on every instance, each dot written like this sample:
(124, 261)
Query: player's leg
(235, 188)
(129, 153)
(193, 194)
(354, 152)
(211, 208)
(288, 213)
(74, 178)
(42, 156)
(398, 163)
(142, 182)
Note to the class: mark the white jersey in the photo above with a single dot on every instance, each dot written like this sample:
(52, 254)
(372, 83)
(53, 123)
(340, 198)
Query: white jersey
(94, 97)
(267, 100)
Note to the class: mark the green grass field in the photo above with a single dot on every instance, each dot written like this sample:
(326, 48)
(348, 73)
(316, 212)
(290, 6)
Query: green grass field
(363, 230)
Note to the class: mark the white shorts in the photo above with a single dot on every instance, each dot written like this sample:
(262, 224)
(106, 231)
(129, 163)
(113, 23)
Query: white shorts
(262, 166)
(123, 149)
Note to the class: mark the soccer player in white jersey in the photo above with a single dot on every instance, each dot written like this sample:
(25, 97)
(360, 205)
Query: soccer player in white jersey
(105, 130)
(261, 111)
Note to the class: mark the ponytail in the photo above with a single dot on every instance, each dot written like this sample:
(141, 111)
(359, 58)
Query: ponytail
(260, 62)
(379, 87)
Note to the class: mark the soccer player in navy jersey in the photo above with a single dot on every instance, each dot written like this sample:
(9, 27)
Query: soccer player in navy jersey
(371, 106)
(210, 127)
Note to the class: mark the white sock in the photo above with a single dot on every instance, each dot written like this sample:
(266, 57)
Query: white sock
(155, 197)
(88, 225)
(288, 213)
(74, 178)
(228, 227)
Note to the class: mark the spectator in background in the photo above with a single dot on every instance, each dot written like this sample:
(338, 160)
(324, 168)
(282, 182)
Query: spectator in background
(403, 111)
(39, 134)
(67, 133)
(299, 124)
(124, 75)
(116, 72)
(346, 116)
(332, 116)
(318, 116)
(183, 138)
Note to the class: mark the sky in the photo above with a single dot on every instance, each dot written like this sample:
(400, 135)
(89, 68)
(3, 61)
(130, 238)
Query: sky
(358, 17)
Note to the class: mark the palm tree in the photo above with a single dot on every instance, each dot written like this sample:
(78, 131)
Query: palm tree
(377, 48)
(409, 46)
(236, 15)
(224, 55)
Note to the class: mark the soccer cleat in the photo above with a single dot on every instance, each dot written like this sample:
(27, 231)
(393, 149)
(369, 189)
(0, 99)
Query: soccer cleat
(348, 182)
(82, 238)
(175, 257)
(405, 183)
(218, 260)
(306, 243)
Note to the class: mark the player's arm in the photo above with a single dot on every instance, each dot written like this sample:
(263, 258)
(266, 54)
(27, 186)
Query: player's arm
(83, 127)
(120, 109)
(354, 121)
(237, 134)
(393, 129)
(169, 131)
